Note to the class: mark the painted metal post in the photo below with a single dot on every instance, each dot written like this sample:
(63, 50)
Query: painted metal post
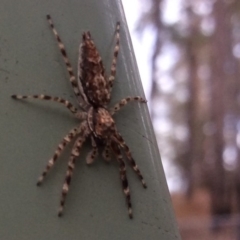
(30, 63)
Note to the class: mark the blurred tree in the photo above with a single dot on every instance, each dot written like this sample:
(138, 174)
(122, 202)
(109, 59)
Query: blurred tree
(203, 102)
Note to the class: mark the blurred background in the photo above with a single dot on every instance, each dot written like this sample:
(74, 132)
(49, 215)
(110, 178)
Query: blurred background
(188, 53)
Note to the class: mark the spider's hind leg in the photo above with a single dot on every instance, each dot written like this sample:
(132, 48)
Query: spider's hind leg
(62, 49)
(115, 54)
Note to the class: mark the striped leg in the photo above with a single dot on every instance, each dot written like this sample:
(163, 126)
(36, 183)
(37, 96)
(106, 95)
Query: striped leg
(115, 54)
(124, 102)
(129, 157)
(71, 165)
(93, 153)
(66, 140)
(72, 79)
(123, 176)
(106, 152)
(67, 104)
(80, 86)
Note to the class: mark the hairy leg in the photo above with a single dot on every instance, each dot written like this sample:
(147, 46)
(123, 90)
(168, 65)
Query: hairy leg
(126, 149)
(72, 78)
(115, 54)
(122, 169)
(124, 102)
(93, 153)
(106, 152)
(62, 145)
(65, 141)
(71, 165)
(67, 104)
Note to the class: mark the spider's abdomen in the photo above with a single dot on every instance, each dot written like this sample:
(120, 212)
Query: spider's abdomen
(92, 74)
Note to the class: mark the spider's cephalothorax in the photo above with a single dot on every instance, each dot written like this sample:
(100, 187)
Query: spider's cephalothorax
(93, 91)
(102, 123)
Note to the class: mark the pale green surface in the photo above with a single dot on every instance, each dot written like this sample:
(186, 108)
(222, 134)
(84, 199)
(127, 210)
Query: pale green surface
(30, 63)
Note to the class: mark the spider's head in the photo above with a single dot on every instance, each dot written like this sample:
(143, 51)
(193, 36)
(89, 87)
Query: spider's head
(103, 123)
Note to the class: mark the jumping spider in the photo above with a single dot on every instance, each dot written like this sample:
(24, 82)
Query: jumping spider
(93, 91)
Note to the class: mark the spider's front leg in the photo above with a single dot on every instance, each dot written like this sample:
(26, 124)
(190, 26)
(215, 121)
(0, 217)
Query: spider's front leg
(118, 138)
(93, 153)
(106, 152)
(71, 165)
(61, 146)
(122, 169)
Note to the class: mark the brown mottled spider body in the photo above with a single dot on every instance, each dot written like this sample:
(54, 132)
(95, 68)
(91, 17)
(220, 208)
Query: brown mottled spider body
(91, 74)
(93, 91)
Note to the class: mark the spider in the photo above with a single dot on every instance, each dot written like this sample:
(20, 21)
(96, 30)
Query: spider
(93, 91)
